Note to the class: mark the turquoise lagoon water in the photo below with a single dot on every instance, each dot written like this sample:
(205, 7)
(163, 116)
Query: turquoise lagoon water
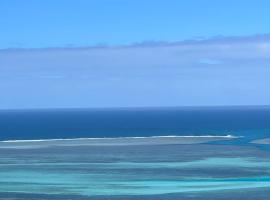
(120, 154)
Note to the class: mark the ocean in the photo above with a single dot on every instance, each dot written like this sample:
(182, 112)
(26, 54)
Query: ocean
(136, 153)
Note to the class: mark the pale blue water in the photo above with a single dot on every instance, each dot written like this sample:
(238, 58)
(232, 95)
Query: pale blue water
(135, 168)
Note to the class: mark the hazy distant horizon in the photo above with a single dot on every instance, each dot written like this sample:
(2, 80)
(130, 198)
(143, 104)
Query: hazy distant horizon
(142, 108)
(214, 71)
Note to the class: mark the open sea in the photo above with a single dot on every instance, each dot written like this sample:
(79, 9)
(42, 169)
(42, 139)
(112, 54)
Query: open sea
(186, 153)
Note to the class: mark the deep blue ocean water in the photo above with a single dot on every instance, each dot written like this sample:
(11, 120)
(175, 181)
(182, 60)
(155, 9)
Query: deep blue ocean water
(118, 165)
(249, 121)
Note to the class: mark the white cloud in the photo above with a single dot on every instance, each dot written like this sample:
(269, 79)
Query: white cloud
(208, 61)
(218, 71)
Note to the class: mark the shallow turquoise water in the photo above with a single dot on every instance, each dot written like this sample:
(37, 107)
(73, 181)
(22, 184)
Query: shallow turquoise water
(134, 171)
(151, 168)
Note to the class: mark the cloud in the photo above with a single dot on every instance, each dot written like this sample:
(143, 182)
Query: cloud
(214, 71)
(210, 61)
(51, 76)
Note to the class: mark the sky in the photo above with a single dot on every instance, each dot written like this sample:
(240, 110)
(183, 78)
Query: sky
(127, 53)
(50, 23)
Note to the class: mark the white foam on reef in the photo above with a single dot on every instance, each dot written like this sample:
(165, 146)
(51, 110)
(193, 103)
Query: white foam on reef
(117, 138)
(117, 141)
(261, 141)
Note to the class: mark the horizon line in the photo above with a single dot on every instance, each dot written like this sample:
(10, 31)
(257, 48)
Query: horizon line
(135, 107)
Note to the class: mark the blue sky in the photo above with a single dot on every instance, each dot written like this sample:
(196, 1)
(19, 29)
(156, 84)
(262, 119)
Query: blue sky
(54, 23)
(69, 54)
